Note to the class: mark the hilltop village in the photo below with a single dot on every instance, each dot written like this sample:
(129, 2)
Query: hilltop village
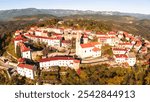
(70, 48)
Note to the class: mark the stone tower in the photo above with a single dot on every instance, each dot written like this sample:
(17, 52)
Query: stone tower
(78, 43)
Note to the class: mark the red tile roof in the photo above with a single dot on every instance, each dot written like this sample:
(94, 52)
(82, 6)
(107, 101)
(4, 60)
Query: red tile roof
(66, 41)
(106, 37)
(18, 31)
(26, 66)
(58, 35)
(139, 43)
(21, 60)
(50, 26)
(23, 47)
(41, 37)
(95, 49)
(85, 36)
(19, 37)
(125, 43)
(119, 49)
(92, 44)
(35, 27)
(100, 33)
(76, 61)
(112, 32)
(57, 58)
(132, 38)
(103, 38)
(147, 45)
(38, 31)
(144, 49)
(125, 33)
(121, 56)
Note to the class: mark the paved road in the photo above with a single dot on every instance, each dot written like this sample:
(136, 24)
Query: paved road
(59, 54)
(84, 61)
(11, 55)
(2, 64)
(1, 67)
(94, 60)
(7, 64)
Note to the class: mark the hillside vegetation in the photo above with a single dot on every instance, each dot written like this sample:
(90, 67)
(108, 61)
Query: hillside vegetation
(105, 75)
(124, 23)
(34, 17)
(7, 30)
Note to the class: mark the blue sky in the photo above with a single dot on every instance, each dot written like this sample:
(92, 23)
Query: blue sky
(133, 6)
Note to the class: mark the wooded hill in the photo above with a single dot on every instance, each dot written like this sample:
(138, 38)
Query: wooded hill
(86, 22)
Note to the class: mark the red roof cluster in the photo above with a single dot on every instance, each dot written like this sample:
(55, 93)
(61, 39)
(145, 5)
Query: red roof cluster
(20, 37)
(121, 56)
(119, 49)
(129, 36)
(34, 27)
(23, 47)
(144, 49)
(92, 44)
(85, 36)
(99, 33)
(60, 35)
(125, 43)
(58, 58)
(76, 61)
(26, 66)
(38, 30)
(147, 44)
(139, 43)
(112, 33)
(41, 37)
(95, 49)
(132, 38)
(106, 37)
(66, 41)
(18, 31)
(125, 33)
(21, 60)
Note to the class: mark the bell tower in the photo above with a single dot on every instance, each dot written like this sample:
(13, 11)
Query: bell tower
(78, 44)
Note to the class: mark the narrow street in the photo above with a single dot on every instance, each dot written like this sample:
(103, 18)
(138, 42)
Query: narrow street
(94, 60)
(9, 67)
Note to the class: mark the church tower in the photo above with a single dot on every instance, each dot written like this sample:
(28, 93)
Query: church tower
(78, 43)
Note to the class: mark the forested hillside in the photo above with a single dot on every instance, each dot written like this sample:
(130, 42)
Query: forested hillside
(7, 30)
(125, 23)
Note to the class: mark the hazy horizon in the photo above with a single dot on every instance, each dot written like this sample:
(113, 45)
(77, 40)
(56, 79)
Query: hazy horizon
(72, 9)
(125, 6)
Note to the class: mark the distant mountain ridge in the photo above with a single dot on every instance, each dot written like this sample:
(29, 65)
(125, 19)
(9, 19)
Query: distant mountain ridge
(10, 14)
